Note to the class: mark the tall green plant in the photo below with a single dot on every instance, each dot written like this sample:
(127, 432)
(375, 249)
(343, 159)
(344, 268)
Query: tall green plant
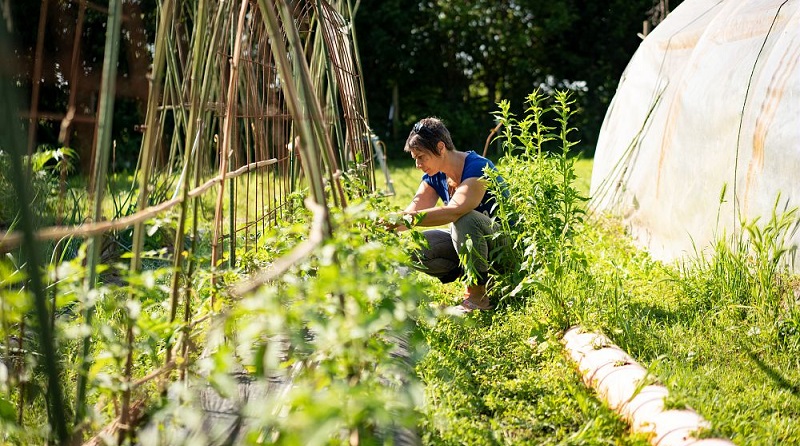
(105, 119)
(539, 206)
(743, 275)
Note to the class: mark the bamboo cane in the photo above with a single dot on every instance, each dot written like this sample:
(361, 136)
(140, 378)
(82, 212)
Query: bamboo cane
(105, 121)
(352, 10)
(146, 163)
(323, 82)
(309, 98)
(151, 129)
(227, 135)
(309, 140)
(203, 43)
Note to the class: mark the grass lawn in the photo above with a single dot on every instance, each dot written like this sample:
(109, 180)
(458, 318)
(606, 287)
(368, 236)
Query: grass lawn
(717, 332)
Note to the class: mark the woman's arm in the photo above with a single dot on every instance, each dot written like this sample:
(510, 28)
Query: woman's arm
(467, 197)
(425, 197)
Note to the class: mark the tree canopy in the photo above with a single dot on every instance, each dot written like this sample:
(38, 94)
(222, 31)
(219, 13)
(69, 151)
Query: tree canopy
(457, 59)
(63, 69)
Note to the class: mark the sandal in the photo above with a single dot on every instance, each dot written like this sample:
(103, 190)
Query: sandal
(468, 306)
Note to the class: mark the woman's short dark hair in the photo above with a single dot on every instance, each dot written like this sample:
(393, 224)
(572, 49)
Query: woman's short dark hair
(426, 134)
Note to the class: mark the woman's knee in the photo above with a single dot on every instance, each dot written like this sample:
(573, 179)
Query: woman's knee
(473, 225)
(474, 222)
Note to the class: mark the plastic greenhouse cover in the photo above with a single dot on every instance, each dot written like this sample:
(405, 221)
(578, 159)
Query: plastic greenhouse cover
(703, 132)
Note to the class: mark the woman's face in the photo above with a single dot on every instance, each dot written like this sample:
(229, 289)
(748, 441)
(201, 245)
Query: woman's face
(426, 161)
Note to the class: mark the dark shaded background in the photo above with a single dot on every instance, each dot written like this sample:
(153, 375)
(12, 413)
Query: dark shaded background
(457, 59)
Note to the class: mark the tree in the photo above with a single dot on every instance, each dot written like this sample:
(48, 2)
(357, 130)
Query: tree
(456, 59)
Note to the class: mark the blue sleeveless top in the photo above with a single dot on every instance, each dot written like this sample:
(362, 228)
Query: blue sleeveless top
(474, 166)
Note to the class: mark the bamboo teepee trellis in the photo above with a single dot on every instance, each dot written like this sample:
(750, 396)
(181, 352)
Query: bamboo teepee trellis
(249, 101)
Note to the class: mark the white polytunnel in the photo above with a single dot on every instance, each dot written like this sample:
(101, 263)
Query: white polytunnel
(703, 132)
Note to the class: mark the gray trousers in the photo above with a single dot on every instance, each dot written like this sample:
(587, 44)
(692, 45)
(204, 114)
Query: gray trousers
(440, 258)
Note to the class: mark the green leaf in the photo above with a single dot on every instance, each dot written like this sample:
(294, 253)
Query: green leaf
(7, 411)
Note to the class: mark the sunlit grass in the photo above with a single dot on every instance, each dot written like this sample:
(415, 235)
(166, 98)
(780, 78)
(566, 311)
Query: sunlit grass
(405, 179)
(583, 169)
(501, 378)
(714, 352)
(699, 327)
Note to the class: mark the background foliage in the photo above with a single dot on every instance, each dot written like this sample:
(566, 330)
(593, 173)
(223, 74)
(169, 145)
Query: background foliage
(138, 32)
(456, 59)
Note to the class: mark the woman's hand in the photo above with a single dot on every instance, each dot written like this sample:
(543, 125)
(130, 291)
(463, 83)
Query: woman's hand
(398, 221)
